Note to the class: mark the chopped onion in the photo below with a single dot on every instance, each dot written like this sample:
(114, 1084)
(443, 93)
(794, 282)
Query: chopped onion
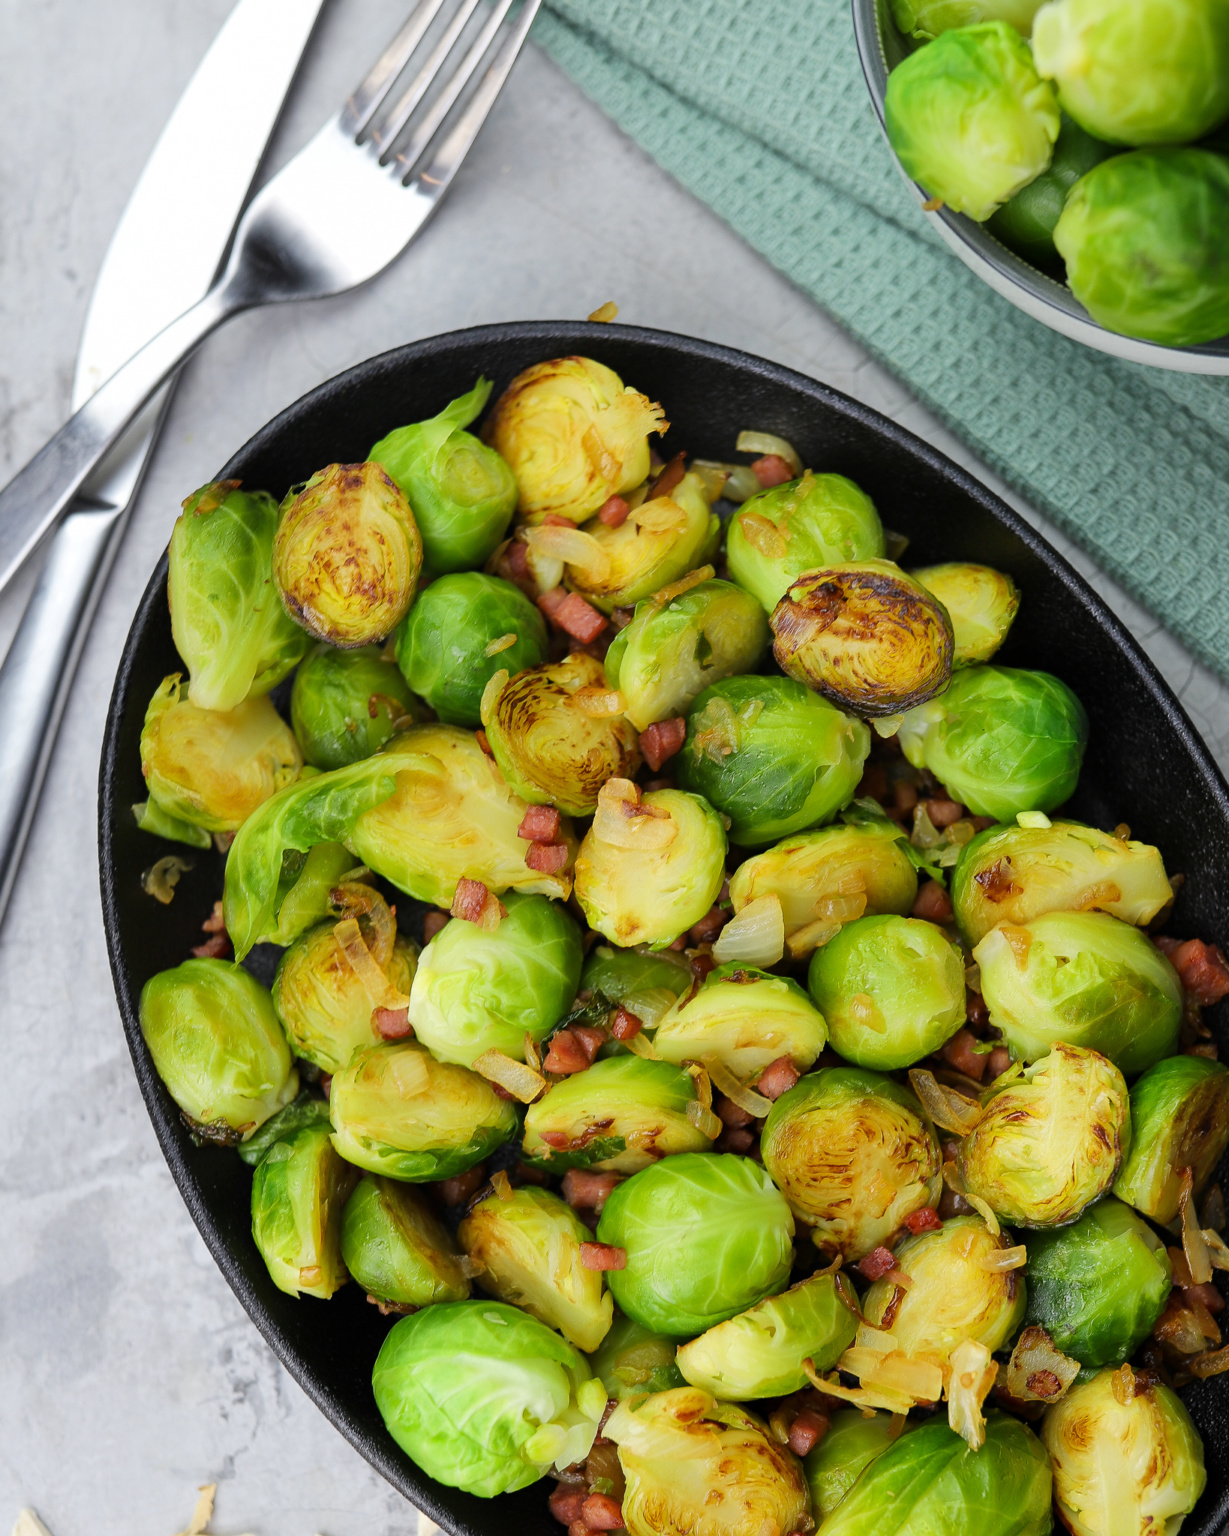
(861, 1397)
(704, 1120)
(661, 515)
(546, 570)
(600, 703)
(408, 1070)
(471, 1267)
(870, 1337)
(376, 984)
(650, 1006)
(984, 1211)
(712, 478)
(761, 443)
(1038, 1372)
(533, 1056)
(684, 584)
(1218, 1250)
(579, 550)
(521, 1081)
(803, 941)
(698, 1073)
(504, 643)
(160, 879)
(949, 1110)
(1003, 1259)
(742, 484)
(763, 535)
(640, 1045)
(973, 1374)
(922, 1380)
(624, 821)
(755, 1104)
(1194, 1245)
(754, 936)
(501, 1185)
(1214, 1363)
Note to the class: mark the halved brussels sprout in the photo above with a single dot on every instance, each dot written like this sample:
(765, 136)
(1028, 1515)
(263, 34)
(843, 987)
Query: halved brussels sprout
(1179, 1119)
(851, 1443)
(344, 704)
(548, 745)
(347, 555)
(854, 1154)
(647, 985)
(1011, 874)
(212, 769)
(891, 989)
(463, 629)
(396, 1247)
(650, 865)
(485, 1397)
(528, 1243)
(574, 436)
(298, 1192)
(771, 755)
(981, 603)
(397, 1111)
(1133, 1465)
(1052, 1141)
(706, 1237)
(746, 1019)
(462, 492)
(1001, 740)
(1026, 223)
(632, 1360)
(217, 1046)
(1098, 1287)
(227, 620)
(697, 1467)
(1084, 978)
(672, 651)
(927, 18)
(868, 637)
(970, 118)
(622, 1114)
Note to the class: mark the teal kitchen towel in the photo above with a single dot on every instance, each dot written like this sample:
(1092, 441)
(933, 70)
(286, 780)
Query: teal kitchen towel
(759, 108)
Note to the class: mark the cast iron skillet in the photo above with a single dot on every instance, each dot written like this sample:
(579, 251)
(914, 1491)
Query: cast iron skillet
(1146, 765)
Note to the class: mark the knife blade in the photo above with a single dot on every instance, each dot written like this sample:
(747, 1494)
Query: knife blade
(163, 256)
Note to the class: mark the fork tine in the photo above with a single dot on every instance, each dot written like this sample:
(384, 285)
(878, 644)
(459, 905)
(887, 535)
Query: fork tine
(369, 94)
(423, 80)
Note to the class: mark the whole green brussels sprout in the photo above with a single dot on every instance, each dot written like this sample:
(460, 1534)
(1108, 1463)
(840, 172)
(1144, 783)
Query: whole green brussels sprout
(396, 1247)
(1085, 978)
(780, 533)
(632, 1360)
(706, 1237)
(970, 118)
(217, 1046)
(1025, 224)
(1050, 1142)
(344, 704)
(1001, 740)
(1098, 1287)
(397, 1111)
(851, 1443)
(523, 1402)
(854, 1154)
(1146, 240)
(461, 631)
(891, 989)
(746, 1019)
(1122, 1466)
(1140, 72)
(227, 620)
(981, 603)
(1179, 1119)
(771, 755)
(462, 492)
(647, 985)
(298, 1192)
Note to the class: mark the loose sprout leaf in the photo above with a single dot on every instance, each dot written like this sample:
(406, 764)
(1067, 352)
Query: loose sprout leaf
(949, 1110)
(754, 936)
(763, 443)
(595, 1151)
(1194, 1244)
(521, 1081)
(973, 1373)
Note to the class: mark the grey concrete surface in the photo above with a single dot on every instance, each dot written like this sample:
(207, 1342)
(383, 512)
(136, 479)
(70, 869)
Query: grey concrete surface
(128, 1372)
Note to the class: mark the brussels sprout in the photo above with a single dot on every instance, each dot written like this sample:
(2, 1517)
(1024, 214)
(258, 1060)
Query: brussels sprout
(574, 436)
(528, 1243)
(226, 618)
(891, 989)
(697, 1467)
(344, 703)
(632, 1360)
(397, 1111)
(548, 745)
(954, 1295)
(930, 1483)
(1026, 223)
(1011, 874)
(485, 1397)
(1001, 740)
(851, 1443)
(854, 1154)
(647, 985)
(347, 555)
(706, 1237)
(970, 118)
(460, 632)
(927, 18)
(1085, 978)
(981, 603)
(746, 1019)
(1142, 72)
(868, 637)
(211, 769)
(1179, 1119)
(1146, 242)
(1098, 1287)
(771, 755)
(622, 1114)
(1052, 1141)
(650, 866)
(1122, 1466)
(397, 1249)
(672, 651)
(217, 1046)
(462, 492)
(303, 1110)
(298, 1192)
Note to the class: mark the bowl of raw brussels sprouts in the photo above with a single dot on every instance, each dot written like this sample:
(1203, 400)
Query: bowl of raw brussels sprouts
(669, 943)
(1074, 154)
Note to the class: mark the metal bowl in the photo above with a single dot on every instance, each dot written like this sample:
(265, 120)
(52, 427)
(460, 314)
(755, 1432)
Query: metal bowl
(1146, 764)
(881, 47)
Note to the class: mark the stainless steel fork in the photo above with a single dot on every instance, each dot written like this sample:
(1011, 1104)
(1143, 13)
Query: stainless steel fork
(332, 218)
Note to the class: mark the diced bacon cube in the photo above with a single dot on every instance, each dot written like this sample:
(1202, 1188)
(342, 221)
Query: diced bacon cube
(601, 1512)
(625, 1024)
(556, 520)
(547, 858)
(591, 1038)
(998, 1061)
(1203, 970)
(772, 470)
(540, 824)
(807, 1430)
(216, 946)
(944, 813)
(588, 1191)
(778, 1077)
(392, 1023)
(709, 926)
(432, 923)
(517, 557)
(457, 1190)
(577, 618)
(566, 1502)
(215, 922)
(729, 1113)
(925, 1220)
(603, 1256)
(959, 1052)
(933, 903)
(614, 513)
(568, 1053)
(877, 1263)
(469, 900)
(662, 740)
(670, 478)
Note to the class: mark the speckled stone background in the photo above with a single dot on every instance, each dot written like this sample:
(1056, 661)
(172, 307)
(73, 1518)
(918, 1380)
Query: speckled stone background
(128, 1372)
